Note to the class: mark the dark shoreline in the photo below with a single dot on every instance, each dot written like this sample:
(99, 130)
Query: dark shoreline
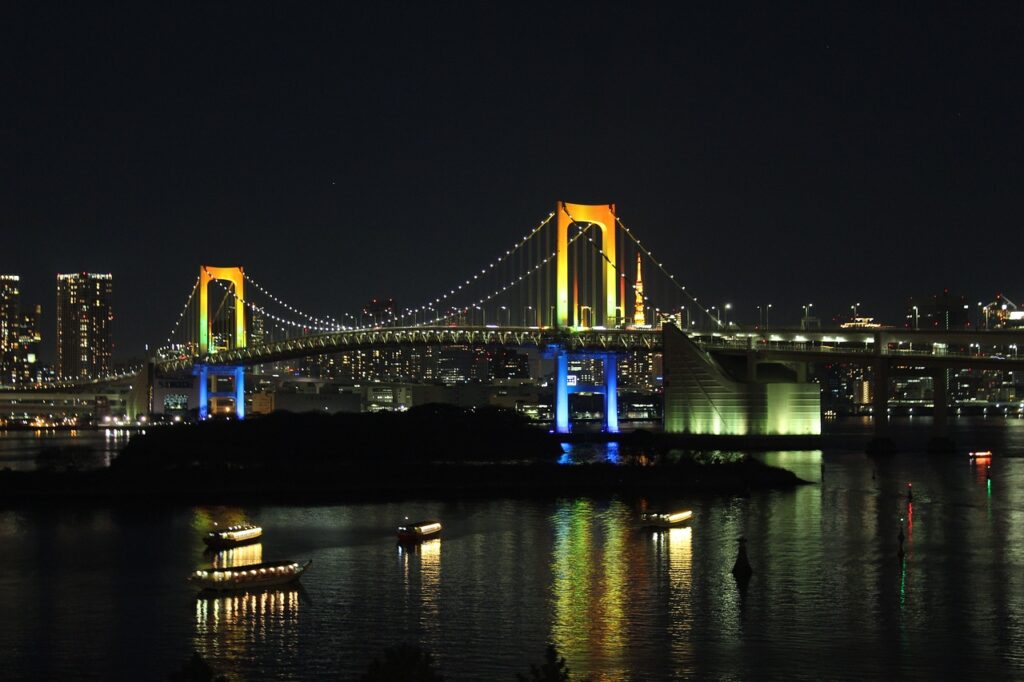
(386, 483)
(435, 452)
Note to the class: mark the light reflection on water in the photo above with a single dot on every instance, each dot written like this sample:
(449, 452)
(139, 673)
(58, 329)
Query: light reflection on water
(238, 556)
(421, 572)
(102, 591)
(228, 628)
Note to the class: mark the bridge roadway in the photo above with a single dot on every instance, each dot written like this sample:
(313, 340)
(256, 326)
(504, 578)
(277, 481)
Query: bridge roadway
(924, 348)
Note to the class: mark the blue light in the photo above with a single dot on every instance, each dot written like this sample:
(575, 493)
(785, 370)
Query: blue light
(566, 457)
(613, 456)
(562, 393)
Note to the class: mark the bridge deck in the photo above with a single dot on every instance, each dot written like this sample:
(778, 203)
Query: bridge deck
(981, 349)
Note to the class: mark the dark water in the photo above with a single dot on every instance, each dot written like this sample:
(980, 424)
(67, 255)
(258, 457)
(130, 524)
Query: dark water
(100, 594)
(60, 449)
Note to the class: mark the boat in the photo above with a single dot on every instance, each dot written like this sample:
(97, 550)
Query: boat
(250, 576)
(232, 536)
(657, 519)
(419, 530)
(981, 454)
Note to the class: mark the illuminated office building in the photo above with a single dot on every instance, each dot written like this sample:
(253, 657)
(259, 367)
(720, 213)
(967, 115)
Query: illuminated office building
(85, 343)
(10, 309)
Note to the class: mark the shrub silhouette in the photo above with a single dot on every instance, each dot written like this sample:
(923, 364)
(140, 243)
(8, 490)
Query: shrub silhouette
(553, 669)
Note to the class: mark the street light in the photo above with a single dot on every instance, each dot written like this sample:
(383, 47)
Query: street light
(807, 308)
(526, 319)
(855, 306)
(728, 307)
(767, 308)
(508, 316)
(915, 317)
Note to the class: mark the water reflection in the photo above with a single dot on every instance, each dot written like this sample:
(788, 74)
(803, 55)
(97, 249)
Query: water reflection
(680, 576)
(830, 596)
(591, 580)
(237, 556)
(421, 576)
(235, 627)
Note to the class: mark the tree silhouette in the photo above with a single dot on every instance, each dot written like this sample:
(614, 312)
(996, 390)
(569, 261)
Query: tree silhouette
(554, 668)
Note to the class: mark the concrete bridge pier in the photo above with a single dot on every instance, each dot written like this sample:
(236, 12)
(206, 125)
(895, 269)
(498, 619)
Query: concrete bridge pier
(611, 393)
(881, 443)
(940, 442)
(563, 390)
(204, 372)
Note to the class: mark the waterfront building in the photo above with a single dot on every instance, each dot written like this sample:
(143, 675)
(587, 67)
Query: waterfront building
(10, 304)
(19, 334)
(85, 342)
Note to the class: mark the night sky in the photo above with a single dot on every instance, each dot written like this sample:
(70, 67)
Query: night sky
(817, 153)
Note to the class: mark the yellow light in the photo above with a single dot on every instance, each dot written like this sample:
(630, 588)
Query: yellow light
(676, 517)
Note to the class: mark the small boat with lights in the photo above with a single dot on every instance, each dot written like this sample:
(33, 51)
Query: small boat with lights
(233, 536)
(418, 531)
(250, 576)
(981, 454)
(657, 519)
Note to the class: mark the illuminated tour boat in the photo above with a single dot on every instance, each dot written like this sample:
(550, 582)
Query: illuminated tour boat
(250, 576)
(420, 530)
(982, 454)
(232, 536)
(655, 519)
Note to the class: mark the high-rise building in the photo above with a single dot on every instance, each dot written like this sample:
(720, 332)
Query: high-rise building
(19, 334)
(26, 354)
(85, 343)
(10, 309)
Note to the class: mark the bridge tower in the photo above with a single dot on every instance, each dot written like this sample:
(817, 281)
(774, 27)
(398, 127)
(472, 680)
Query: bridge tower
(236, 277)
(603, 217)
(203, 370)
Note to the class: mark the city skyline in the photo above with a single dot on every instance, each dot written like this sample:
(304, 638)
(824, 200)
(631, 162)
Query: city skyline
(338, 184)
(976, 314)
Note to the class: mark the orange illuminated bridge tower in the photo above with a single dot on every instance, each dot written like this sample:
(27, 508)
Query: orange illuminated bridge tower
(586, 217)
(236, 278)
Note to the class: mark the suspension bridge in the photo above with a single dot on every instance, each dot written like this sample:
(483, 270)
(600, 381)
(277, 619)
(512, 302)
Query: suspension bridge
(577, 284)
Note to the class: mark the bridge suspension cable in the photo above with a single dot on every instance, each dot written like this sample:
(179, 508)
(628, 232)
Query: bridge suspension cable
(476, 276)
(184, 310)
(646, 298)
(281, 320)
(329, 323)
(326, 320)
(522, 277)
(661, 267)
